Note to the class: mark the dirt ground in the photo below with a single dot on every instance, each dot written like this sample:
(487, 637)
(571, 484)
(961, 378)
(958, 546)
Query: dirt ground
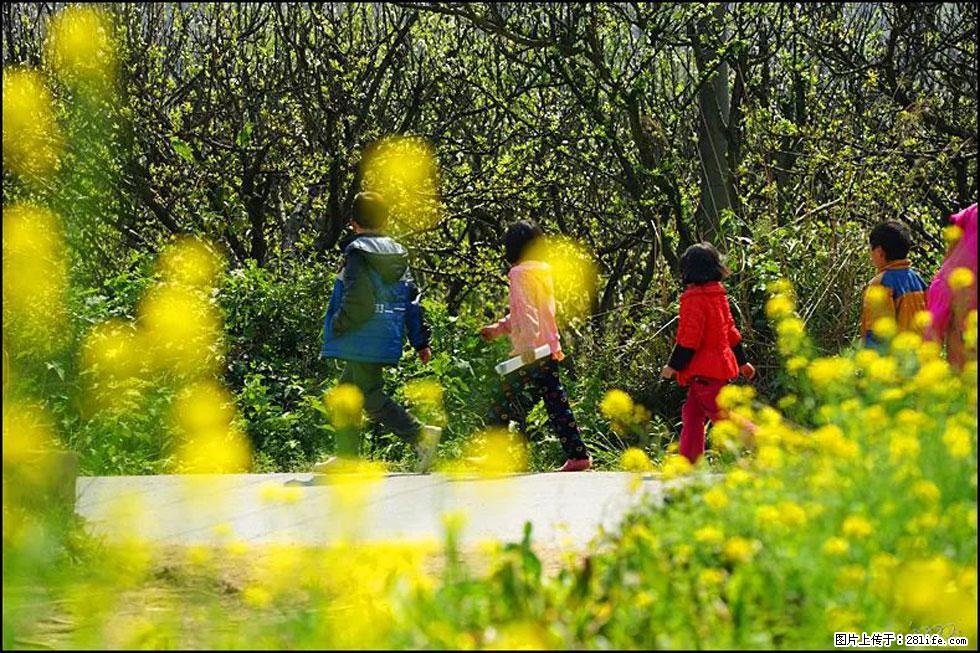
(47, 623)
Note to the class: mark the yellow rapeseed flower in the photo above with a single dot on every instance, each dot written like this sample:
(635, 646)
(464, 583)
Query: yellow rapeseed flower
(922, 320)
(79, 45)
(790, 332)
(830, 372)
(831, 441)
(35, 277)
(926, 490)
(190, 261)
(903, 447)
(180, 329)
(876, 295)
(711, 577)
(865, 358)
(32, 140)
(617, 405)
(635, 460)
(716, 498)
(739, 549)
(769, 457)
(767, 515)
(836, 546)
(906, 341)
(345, 403)
(855, 526)
(779, 306)
(574, 273)
(952, 234)
(885, 327)
(709, 535)
(884, 370)
(675, 465)
(732, 397)
(960, 278)
(931, 375)
(791, 514)
(957, 441)
(782, 286)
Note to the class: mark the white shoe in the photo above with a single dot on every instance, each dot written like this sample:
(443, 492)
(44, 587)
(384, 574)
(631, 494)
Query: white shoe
(426, 447)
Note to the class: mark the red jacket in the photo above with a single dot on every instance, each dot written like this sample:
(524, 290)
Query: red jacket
(707, 327)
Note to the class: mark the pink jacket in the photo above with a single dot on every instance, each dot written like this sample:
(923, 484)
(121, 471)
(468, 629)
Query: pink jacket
(962, 255)
(531, 321)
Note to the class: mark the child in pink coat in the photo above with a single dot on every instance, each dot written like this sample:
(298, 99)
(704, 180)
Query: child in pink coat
(531, 324)
(949, 307)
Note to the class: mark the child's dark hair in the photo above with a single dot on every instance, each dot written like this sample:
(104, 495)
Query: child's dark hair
(701, 263)
(893, 237)
(370, 211)
(518, 240)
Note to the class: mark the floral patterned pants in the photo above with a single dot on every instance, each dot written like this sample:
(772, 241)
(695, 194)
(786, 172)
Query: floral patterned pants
(521, 390)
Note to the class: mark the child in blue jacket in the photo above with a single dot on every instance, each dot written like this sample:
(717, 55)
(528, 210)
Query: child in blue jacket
(374, 303)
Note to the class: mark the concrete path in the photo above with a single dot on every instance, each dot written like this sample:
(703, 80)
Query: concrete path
(565, 509)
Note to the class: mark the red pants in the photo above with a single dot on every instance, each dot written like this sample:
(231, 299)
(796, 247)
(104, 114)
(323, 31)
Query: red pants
(701, 404)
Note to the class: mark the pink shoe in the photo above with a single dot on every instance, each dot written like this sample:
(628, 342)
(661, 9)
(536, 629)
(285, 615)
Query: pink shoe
(577, 465)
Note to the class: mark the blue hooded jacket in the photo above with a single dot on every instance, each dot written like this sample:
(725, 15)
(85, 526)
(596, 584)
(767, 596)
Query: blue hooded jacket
(374, 303)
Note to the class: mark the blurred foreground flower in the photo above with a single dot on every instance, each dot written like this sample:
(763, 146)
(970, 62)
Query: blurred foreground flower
(32, 140)
(180, 330)
(495, 452)
(35, 278)
(209, 442)
(404, 172)
(191, 262)
(345, 403)
(425, 395)
(573, 272)
(79, 46)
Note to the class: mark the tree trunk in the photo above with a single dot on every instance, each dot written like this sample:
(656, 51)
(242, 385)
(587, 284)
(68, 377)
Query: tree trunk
(713, 107)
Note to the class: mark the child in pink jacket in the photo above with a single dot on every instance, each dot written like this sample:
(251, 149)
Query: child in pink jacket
(531, 324)
(949, 307)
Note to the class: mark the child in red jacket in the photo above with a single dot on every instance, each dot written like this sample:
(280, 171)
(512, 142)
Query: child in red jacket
(709, 352)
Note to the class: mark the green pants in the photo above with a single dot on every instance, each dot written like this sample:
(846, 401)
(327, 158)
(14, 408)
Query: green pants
(369, 379)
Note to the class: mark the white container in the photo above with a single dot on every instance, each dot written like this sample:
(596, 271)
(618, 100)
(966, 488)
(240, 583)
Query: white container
(515, 363)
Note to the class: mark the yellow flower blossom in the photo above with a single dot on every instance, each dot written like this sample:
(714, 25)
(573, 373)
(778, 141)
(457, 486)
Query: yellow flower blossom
(952, 234)
(830, 372)
(716, 498)
(767, 515)
(885, 327)
(957, 441)
(79, 45)
(617, 405)
(922, 321)
(931, 375)
(635, 460)
(960, 278)
(779, 306)
(674, 466)
(836, 546)
(926, 490)
(710, 577)
(856, 526)
(709, 535)
(739, 550)
(345, 403)
(32, 140)
(903, 447)
(796, 363)
(35, 278)
(791, 514)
